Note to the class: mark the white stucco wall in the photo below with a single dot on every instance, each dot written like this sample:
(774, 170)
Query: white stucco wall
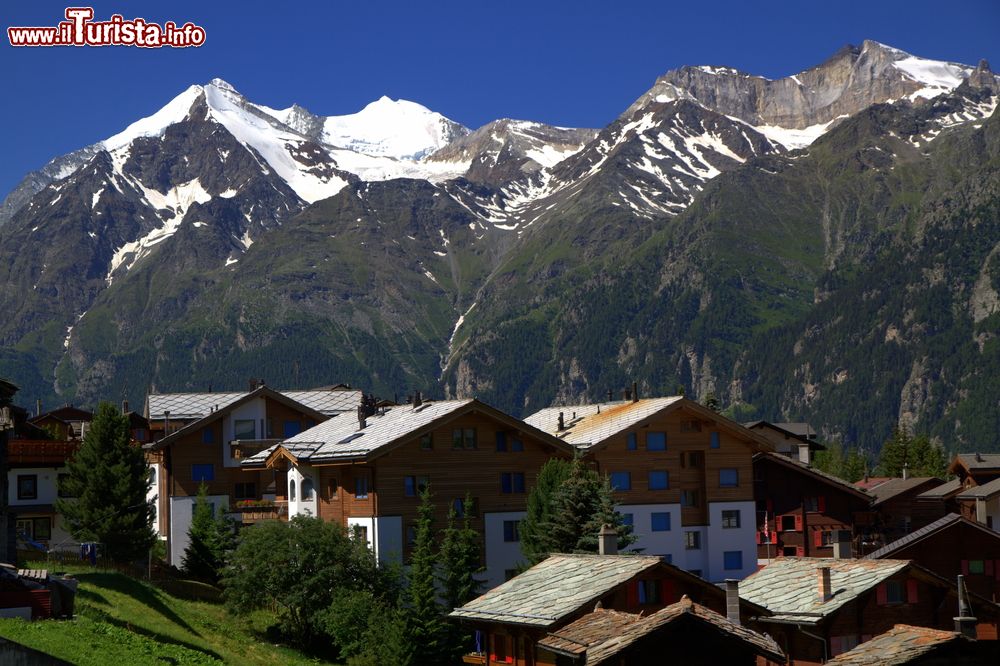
(663, 543)
(719, 540)
(368, 524)
(500, 555)
(46, 485)
(299, 506)
(255, 410)
(181, 513)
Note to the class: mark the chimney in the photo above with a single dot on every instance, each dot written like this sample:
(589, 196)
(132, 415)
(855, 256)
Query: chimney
(562, 423)
(362, 418)
(611, 395)
(825, 588)
(416, 399)
(635, 392)
(124, 406)
(906, 471)
(804, 454)
(607, 541)
(965, 623)
(626, 395)
(842, 545)
(733, 600)
(38, 407)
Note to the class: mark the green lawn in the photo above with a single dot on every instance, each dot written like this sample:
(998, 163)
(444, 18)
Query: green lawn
(122, 621)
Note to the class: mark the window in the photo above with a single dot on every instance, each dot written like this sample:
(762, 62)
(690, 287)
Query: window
(692, 540)
(628, 519)
(459, 504)
(512, 482)
(656, 441)
(61, 485)
(331, 488)
(827, 538)
(732, 559)
(291, 428)
(244, 429)
(730, 519)
(659, 480)
(415, 485)
(516, 444)
(660, 521)
(729, 477)
(140, 435)
(511, 531)
(631, 442)
(649, 591)
(411, 535)
(788, 523)
(27, 486)
(895, 592)
(502, 648)
(463, 438)
(204, 472)
(693, 425)
(361, 487)
(245, 491)
(360, 532)
(715, 441)
(621, 481)
(977, 567)
(307, 490)
(810, 504)
(690, 498)
(693, 459)
(207, 435)
(291, 490)
(36, 529)
(501, 441)
(426, 442)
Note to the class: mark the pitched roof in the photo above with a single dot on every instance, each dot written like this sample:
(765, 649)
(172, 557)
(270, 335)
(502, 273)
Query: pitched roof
(185, 406)
(871, 481)
(788, 586)
(943, 491)
(900, 645)
(603, 634)
(938, 525)
(199, 423)
(977, 461)
(985, 491)
(809, 470)
(891, 488)
(341, 437)
(554, 588)
(586, 426)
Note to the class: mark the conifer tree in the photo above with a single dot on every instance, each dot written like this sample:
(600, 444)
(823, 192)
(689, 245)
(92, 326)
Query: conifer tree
(535, 543)
(108, 481)
(920, 456)
(582, 504)
(210, 538)
(460, 562)
(425, 616)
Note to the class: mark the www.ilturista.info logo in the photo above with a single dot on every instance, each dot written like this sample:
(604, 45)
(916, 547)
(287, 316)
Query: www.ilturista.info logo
(79, 29)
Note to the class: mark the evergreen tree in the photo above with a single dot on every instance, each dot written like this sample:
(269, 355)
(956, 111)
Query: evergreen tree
(920, 456)
(582, 504)
(210, 539)
(711, 401)
(108, 480)
(425, 616)
(606, 514)
(460, 562)
(535, 543)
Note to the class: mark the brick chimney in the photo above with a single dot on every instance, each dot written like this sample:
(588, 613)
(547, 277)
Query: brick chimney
(825, 587)
(733, 600)
(607, 541)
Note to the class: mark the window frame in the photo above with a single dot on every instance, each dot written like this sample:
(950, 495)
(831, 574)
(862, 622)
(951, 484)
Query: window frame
(240, 490)
(199, 478)
(237, 432)
(692, 540)
(631, 441)
(726, 560)
(729, 519)
(362, 489)
(734, 483)
(659, 474)
(657, 435)
(512, 531)
(23, 494)
(656, 523)
(618, 488)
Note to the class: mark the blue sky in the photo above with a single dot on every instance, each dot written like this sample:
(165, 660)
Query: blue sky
(570, 64)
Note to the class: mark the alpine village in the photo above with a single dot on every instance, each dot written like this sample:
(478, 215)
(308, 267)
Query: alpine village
(714, 384)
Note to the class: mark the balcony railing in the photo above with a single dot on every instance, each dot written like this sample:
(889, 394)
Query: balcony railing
(40, 451)
(256, 513)
(245, 448)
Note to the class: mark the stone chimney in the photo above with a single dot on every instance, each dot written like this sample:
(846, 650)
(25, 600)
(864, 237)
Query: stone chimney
(906, 471)
(825, 587)
(635, 392)
(124, 406)
(362, 417)
(842, 549)
(733, 600)
(417, 400)
(607, 541)
(562, 422)
(965, 624)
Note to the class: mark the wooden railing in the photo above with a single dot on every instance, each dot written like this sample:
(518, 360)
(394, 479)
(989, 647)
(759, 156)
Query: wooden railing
(40, 451)
(249, 515)
(245, 448)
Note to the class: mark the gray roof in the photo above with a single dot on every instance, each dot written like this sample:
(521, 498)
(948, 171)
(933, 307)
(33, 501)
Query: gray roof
(185, 406)
(944, 490)
(977, 461)
(903, 644)
(891, 488)
(341, 438)
(985, 491)
(587, 425)
(555, 588)
(927, 530)
(788, 586)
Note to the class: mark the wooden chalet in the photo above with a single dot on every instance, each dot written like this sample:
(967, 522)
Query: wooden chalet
(366, 471)
(820, 608)
(803, 512)
(682, 476)
(950, 546)
(899, 511)
(794, 440)
(511, 619)
(689, 633)
(906, 645)
(979, 497)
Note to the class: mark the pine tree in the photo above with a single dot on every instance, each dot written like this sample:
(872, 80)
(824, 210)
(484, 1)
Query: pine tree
(210, 538)
(425, 616)
(582, 504)
(535, 543)
(460, 562)
(920, 456)
(711, 401)
(108, 480)
(606, 514)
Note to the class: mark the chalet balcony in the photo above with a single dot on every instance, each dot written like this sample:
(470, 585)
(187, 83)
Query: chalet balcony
(245, 448)
(40, 452)
(251, 512)
(474, 658)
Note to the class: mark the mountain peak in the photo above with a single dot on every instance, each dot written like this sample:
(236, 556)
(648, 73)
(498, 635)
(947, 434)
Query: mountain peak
(223, 85)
